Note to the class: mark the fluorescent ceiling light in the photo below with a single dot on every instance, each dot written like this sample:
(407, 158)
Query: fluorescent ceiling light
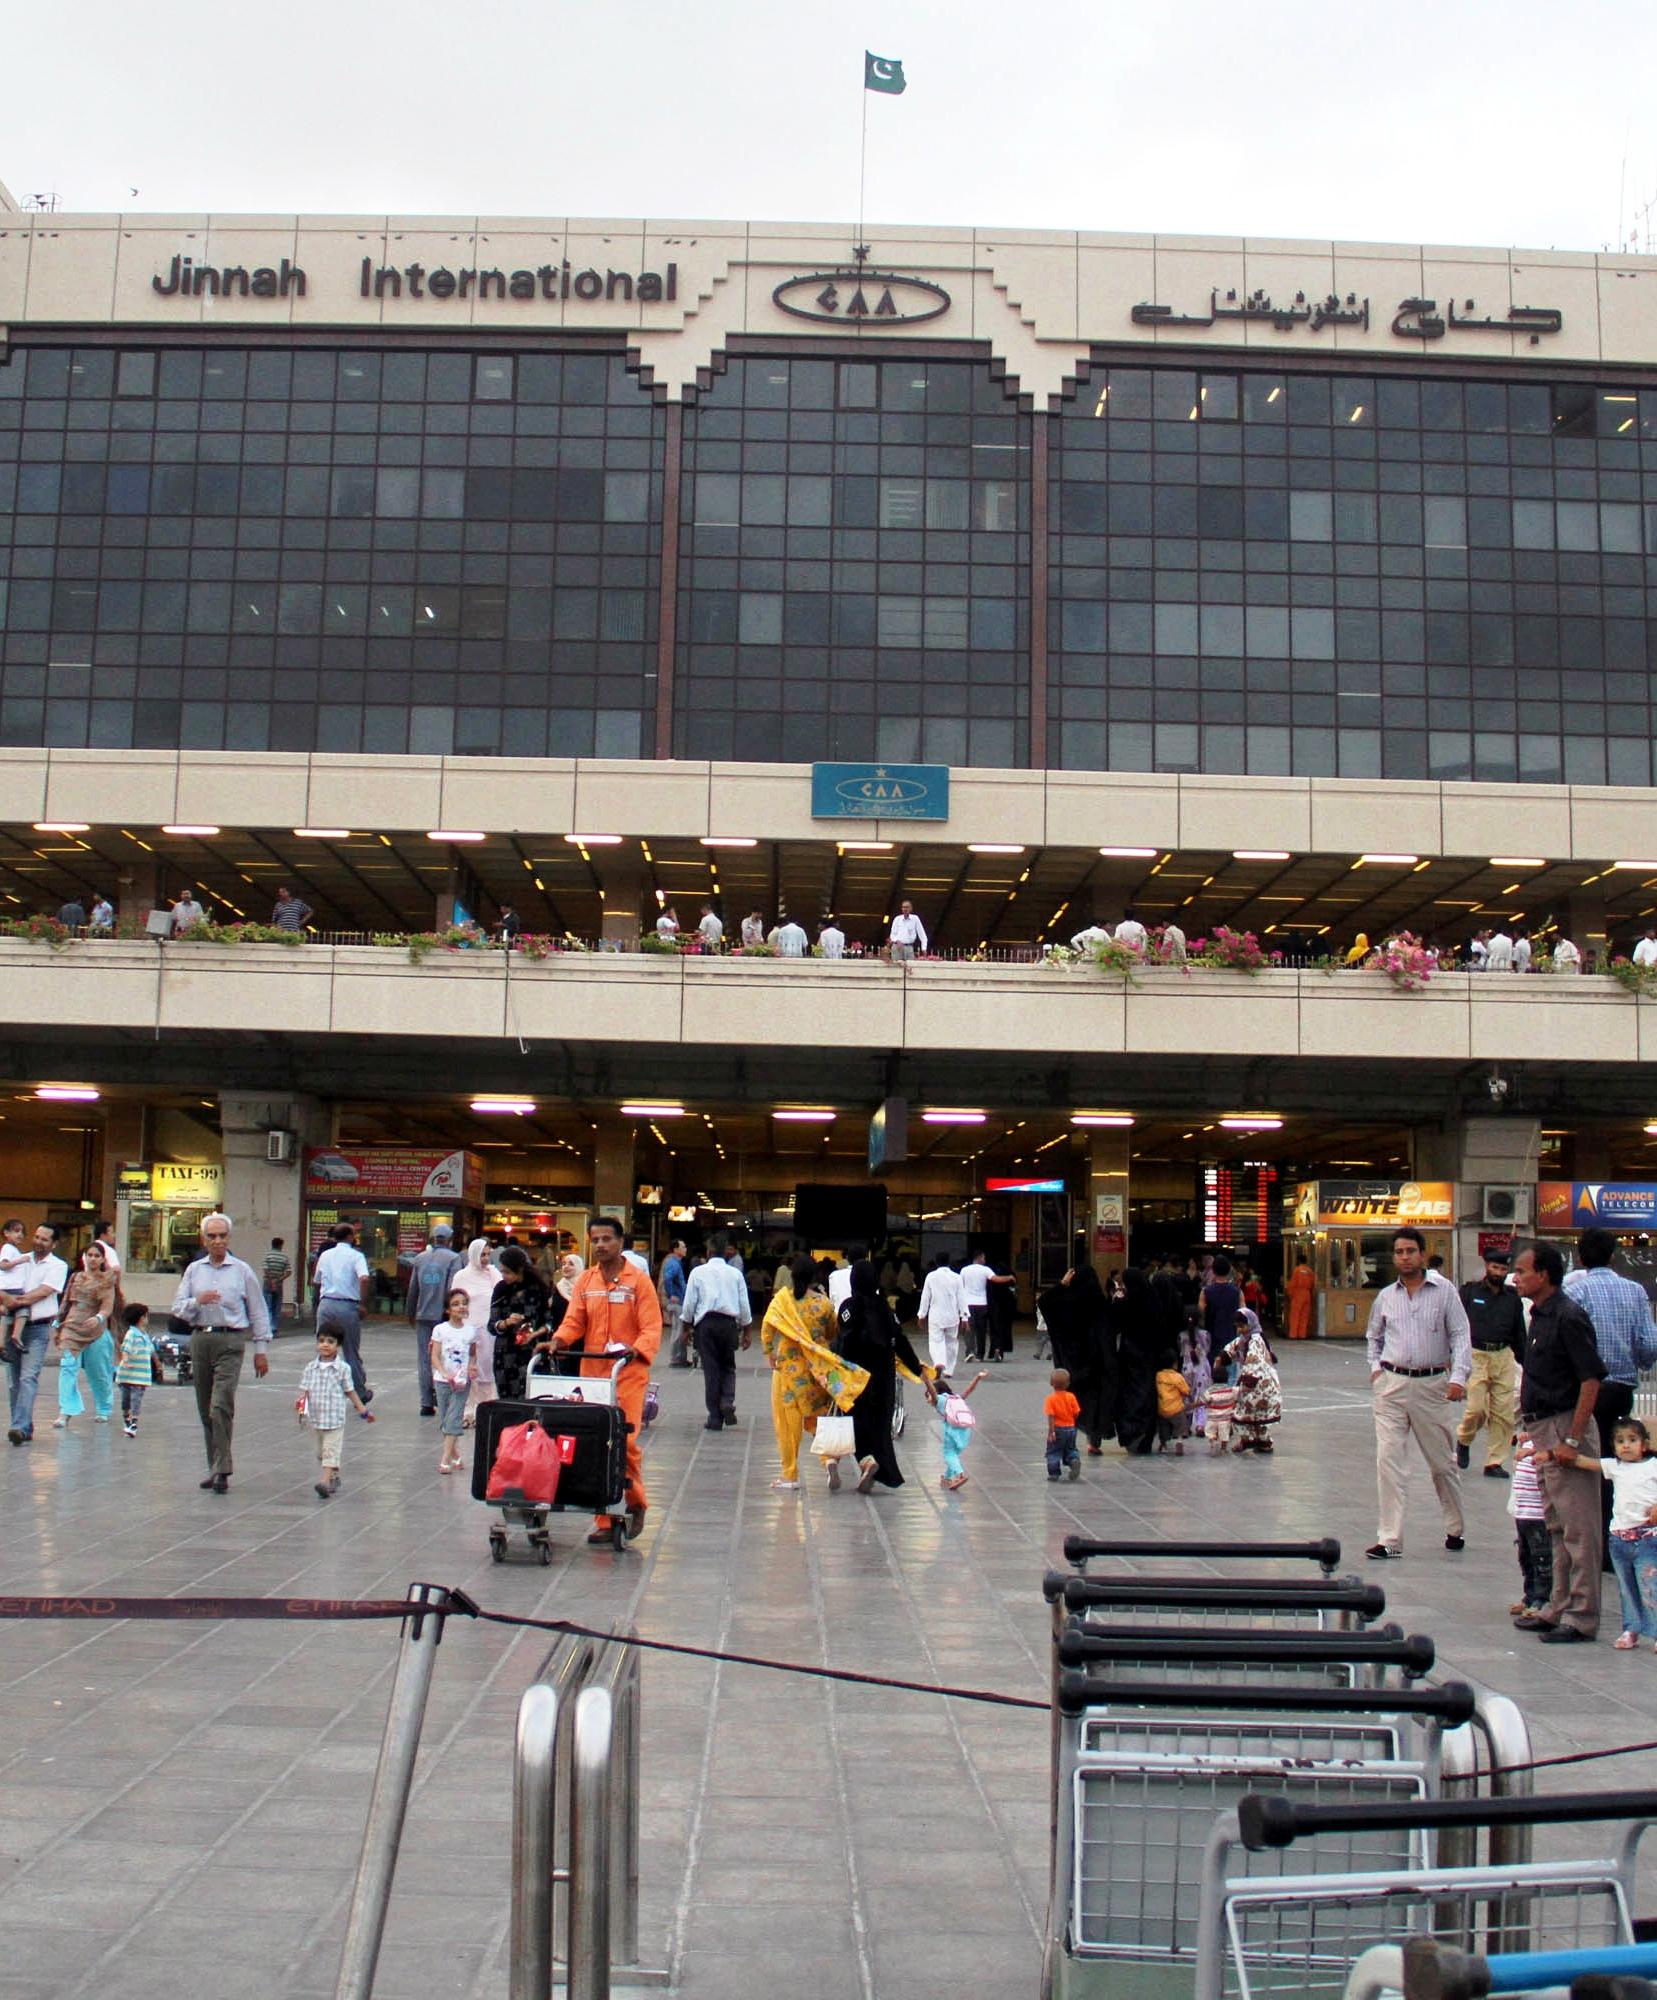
(805, 1117)
(452, 833)
(652, 1111)
(866, 846)
(516, 1105)
(953, 1117)
(62, 826)
(995, 847)
(322, 833)
(192, 832)
(1129, 853)
(1259, 854)
(593, 839)
(1517, 861)
(1388, 860)
(726, 840)
(67, 1093)
(1117, 1118)
(1244, 1122)
(1634, 864)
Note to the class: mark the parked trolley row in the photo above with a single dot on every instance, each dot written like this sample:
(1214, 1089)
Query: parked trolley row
(1258, 1788)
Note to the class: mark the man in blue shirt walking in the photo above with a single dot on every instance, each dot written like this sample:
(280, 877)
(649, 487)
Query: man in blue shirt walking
(1625, 1336)
(671, 1287)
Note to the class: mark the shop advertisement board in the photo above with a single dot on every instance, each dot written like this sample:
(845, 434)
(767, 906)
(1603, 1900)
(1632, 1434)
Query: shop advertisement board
(392, 1173)
(187, 1185)
(1374, 1204)
(1568, 1205)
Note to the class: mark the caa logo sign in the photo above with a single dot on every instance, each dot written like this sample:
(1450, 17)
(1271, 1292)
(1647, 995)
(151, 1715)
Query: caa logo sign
(874, 298)
(881, 790)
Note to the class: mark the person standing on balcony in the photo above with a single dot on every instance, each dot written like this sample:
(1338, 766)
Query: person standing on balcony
(710, 928)
(1131, 932)
(831, 939)
(792, 941)
(102, 919)
(753, 928)
(1645, 952)
(291, 912)
(1566, 957)
(667, 924)
(72, 915)
(1498, 953)
(1521, 953)
(907, 935)
(187, 913)
(1420, 1356)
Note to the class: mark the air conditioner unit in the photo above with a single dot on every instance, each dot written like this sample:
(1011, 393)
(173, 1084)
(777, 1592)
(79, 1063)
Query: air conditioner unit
(278, 1145)
(1508, 1207)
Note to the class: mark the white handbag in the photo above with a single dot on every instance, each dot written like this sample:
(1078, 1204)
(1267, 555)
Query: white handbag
(834, 1438)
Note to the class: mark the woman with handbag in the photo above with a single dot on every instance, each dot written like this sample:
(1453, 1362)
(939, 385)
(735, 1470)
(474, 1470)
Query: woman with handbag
(523, 1317)
(810, 1383)
(91, 1306)
(871, 1339)
(1259, 1392)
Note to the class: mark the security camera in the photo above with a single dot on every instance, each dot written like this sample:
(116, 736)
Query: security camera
(1497, 1086)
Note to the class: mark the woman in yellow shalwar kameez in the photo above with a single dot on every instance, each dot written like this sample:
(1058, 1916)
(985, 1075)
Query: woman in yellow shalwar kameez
(808, 1378)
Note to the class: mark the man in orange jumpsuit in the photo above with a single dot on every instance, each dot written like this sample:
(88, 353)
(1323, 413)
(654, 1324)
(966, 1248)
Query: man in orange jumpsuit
(613, 1305)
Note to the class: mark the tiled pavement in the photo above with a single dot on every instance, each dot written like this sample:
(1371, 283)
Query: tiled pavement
(180, 1806)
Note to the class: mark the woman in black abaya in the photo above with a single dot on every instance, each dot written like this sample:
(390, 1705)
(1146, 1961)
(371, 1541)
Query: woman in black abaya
(1079, 1326)
(871, 1339)
(1141, 1343)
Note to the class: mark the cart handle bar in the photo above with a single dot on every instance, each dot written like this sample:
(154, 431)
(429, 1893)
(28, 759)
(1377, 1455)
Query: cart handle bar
(1309, 1636)
(1416, 1654)
(1451, 1703)
(1081, 1548)
(1268, 1820)
(1369, 1600)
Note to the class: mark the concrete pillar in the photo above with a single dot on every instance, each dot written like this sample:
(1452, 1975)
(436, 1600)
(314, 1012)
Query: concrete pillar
(137, 888)
(629, 908)
(124, 1134)
(1475, 1153)
(613, 1182)
(1107, 1198)
(264, 1197)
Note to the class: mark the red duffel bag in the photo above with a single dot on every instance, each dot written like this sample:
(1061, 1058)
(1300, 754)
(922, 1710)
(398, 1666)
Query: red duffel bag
(527, 1463)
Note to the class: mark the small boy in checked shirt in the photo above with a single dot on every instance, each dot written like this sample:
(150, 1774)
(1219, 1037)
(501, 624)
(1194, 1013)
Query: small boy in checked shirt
(324, 1390)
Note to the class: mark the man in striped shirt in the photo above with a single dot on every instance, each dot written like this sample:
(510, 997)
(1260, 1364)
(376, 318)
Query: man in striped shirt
(1625, 1336)
(1420, 1356)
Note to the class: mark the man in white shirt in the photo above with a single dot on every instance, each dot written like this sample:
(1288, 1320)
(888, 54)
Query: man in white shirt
(753, 928)
(710, 929)
(187, 913)
(944, 1309)
(1094, 934)
(832, 939)
(1521, 953)
(43, 1275)
(667, 924)
(638, 1261)
(792, 941)
(102, 916)
(1645, 952)
(907, 935)
(717, 1313)
(1173, 944)
(975, 1290)
(1566, 957)
(1130, 931)
(1498, 953)
(1478, 952)
(103, 1234)
(344, 1287)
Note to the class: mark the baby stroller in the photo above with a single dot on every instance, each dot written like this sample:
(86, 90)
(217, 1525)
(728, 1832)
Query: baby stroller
(579, 1413)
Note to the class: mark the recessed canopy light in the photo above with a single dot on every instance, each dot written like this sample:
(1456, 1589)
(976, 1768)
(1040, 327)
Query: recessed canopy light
(726, 840)
(62, 826)
(1117, 1118)
(994, 847)
(192, 832)
(1388, 860)
(517, 1106)
(67, 1093)
(1635, 864)
(1264, 1121)
(1517, 861)
(1129, 853)
(453, 833)
(953, 1117)
(652, 1111)
(805, 1117)
(1259, 854)
(593, 839)
(322, 833)
(866, 846)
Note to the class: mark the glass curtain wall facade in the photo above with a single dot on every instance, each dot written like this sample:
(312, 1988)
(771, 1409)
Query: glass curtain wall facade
(407, 548)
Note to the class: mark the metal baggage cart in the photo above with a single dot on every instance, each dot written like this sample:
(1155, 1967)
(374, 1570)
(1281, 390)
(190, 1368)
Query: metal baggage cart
(1382, 1656)
(1339, 1603)
(1305, 1933)
(1325, 1552)
(530, 1518)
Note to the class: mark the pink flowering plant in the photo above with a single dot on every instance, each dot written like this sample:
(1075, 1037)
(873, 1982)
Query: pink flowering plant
(1235, 951)
(1112, 955)
(1406, 961)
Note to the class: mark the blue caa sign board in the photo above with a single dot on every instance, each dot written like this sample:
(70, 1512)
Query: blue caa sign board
(880, 791)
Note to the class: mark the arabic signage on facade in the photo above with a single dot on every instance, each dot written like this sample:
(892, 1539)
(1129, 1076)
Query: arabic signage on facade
(1374, 1204)
(880, 791)
(1415, 319)
(1562, 1206)
(393, 1173)
(857, 295)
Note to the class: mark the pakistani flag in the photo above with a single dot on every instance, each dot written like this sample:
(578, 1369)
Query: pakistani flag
(882, 74)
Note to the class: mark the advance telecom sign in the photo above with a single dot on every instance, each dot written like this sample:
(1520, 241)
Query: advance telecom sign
(880, 791)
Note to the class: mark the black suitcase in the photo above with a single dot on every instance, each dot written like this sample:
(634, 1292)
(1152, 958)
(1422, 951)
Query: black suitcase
(595, 1479)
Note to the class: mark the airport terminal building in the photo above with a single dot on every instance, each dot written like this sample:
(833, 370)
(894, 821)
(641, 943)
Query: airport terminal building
(1304, 588)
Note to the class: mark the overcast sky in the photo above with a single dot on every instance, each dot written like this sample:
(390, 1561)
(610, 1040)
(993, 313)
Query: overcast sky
(1463, 121)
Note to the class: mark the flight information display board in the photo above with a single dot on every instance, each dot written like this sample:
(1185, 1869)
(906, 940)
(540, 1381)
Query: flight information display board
(1241, 1203)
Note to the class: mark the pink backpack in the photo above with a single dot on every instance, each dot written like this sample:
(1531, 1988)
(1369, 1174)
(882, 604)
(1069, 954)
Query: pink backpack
(957, 1412)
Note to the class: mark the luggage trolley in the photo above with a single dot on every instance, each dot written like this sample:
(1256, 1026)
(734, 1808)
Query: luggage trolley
(1144, 1769)
(1540, 1922)
(582, 1407)
(1325, 1552)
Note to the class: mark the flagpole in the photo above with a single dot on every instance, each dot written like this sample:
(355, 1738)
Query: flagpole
(862, 161)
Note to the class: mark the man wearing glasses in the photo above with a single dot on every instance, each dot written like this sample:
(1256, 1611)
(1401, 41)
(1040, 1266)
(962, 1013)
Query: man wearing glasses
(222, 1300)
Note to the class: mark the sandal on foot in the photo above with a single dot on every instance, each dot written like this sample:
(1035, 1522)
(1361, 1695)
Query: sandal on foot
(785, 1486)
(1627, 1642)
(834, 1475)
(868, 1471)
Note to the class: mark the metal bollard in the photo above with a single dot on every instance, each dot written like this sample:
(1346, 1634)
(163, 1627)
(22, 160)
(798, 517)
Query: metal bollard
(388, 1802)
(592, 1741)
(533, 1770)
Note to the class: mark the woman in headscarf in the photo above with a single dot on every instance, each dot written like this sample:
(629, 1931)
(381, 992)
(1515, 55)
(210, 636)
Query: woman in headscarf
(1259, 1392)
(871, 1339)
(570, 1267)
(1077, 1317)
(808, 1378)
(85, 1334)
(477, 1278)
(1141, 1343)
(522, 1318)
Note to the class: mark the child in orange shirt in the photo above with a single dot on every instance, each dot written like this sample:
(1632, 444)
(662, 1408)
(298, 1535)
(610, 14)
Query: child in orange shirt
(1063, 1412)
